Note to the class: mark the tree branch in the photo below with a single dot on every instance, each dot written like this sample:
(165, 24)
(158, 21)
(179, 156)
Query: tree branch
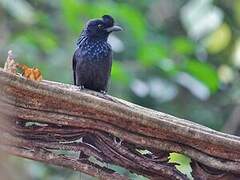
(66, 118)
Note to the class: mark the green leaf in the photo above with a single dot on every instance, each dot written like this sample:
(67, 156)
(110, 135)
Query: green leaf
(203, 72)
(184, 163)
(182, 45)
(45, 40)
(219, 40)
(168, 66)
(134, 20)
(71, 14)
(151, 54)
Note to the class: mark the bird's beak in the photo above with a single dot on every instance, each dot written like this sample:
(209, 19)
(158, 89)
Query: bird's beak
(114, 28)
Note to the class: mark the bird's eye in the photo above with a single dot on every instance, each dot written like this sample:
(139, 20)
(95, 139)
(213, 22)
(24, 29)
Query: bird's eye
(100, 26)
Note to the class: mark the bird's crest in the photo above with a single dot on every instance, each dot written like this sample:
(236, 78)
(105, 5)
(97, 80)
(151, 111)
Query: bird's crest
(108, 20)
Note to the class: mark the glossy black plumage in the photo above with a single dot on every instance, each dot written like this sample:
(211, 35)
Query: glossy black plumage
(92, 60)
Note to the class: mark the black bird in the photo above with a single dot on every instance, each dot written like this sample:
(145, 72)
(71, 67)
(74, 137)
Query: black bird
(92, 60)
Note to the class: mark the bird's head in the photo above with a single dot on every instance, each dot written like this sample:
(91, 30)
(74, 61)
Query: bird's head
(101, 28)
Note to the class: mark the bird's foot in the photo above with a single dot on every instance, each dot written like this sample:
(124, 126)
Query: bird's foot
(103, 92)
(81, 87)
(117, 141)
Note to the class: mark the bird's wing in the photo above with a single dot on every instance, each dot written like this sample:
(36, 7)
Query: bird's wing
(74, 69)
(109, 67)
(74, 62)
(110, 64)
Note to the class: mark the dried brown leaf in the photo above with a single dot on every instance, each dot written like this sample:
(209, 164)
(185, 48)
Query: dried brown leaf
(30, 73)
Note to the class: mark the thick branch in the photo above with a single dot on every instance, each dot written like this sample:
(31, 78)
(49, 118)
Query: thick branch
(70, 112)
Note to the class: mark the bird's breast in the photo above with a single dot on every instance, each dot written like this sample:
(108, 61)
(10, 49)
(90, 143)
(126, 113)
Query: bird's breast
(95, 51)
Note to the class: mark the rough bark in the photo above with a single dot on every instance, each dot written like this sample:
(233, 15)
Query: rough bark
(65, 116)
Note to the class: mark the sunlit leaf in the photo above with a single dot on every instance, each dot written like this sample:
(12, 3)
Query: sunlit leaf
(236, 54)
(219, 39)
(226, 74)
(45, 40)
(168, 66)
(184, 163)
(200, 17)
(236, 7)
(203, 72)
(182, 45)
(195, 86)
(134, 20)
(151, 54)
(71, 13)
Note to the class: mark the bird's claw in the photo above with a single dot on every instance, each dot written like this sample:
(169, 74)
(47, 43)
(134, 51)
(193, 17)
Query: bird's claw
(117, 141)
(81, 87)
(103, 92)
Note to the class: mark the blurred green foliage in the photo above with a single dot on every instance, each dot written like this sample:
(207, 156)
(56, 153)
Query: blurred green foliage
(178, 56)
